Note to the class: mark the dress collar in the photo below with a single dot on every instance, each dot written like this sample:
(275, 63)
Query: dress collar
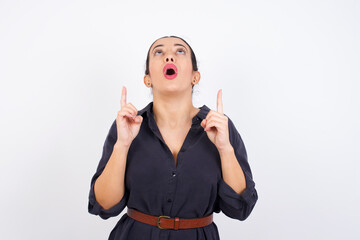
(148, 113)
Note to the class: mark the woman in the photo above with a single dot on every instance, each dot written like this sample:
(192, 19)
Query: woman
(170, 163)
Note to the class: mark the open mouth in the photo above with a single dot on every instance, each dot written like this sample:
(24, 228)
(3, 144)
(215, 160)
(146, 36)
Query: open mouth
(170, 71)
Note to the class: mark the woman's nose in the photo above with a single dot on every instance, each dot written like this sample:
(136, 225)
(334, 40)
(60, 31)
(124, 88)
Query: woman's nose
(169, 58)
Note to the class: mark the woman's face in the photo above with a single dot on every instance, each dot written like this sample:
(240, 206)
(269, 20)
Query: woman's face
(175, 54)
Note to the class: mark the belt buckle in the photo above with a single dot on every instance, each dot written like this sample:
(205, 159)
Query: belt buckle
(158, 222)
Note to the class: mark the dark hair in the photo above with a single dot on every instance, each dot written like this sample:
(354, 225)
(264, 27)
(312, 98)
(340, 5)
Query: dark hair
(193, 58)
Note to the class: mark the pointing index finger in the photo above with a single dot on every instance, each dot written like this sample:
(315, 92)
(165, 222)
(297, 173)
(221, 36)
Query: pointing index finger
(123, 97)
(219, 102)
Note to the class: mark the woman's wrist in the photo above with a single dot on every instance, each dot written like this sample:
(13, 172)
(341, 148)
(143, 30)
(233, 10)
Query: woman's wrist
(121, 146)
(226, 150)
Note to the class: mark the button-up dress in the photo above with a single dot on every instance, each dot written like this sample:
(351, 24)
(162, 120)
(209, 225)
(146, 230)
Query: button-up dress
(193, 188)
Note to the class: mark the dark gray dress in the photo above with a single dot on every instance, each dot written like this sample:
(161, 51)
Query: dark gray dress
(192, 189)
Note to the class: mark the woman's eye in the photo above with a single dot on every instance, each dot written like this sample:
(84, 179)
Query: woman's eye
(181, 50)
(157, 52)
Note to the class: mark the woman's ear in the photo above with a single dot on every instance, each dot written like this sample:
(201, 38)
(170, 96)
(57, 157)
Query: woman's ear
(147, 81)
(196, 77)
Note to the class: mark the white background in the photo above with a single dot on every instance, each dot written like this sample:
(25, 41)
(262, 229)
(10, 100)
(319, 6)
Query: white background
(290, 75)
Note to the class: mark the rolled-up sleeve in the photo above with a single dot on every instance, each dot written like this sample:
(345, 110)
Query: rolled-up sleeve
(232, 204)
(94, 207)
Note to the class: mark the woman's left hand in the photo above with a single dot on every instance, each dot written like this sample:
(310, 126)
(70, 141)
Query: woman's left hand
(216, 125)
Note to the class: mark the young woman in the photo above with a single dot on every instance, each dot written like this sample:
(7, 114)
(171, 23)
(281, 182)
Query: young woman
(170, 163)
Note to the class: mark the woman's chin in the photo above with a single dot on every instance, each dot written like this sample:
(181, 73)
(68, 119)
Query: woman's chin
(173, 89)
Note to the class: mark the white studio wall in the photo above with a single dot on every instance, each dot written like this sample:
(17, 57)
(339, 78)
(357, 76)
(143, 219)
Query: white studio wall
(290, 75)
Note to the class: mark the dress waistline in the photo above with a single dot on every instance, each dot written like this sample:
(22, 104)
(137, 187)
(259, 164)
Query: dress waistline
(166, 222)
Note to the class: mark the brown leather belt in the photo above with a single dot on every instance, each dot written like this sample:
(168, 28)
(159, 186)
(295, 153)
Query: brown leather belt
(165, 222)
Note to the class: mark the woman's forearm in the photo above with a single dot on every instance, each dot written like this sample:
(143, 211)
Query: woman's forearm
(232, 172)
(109, 187)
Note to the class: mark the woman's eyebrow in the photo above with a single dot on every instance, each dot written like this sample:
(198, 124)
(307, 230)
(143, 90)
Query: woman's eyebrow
(176, 44)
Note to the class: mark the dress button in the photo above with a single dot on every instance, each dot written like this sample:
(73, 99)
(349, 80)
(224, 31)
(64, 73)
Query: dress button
(169, 200)
(173, 174)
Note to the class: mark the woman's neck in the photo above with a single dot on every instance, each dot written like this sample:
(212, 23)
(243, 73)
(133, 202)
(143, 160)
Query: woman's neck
(174, 113)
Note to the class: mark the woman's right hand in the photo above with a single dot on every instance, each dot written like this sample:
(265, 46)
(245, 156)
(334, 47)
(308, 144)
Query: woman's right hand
(127, 123)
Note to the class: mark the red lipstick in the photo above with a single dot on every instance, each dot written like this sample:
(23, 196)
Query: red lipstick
(170, 71)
